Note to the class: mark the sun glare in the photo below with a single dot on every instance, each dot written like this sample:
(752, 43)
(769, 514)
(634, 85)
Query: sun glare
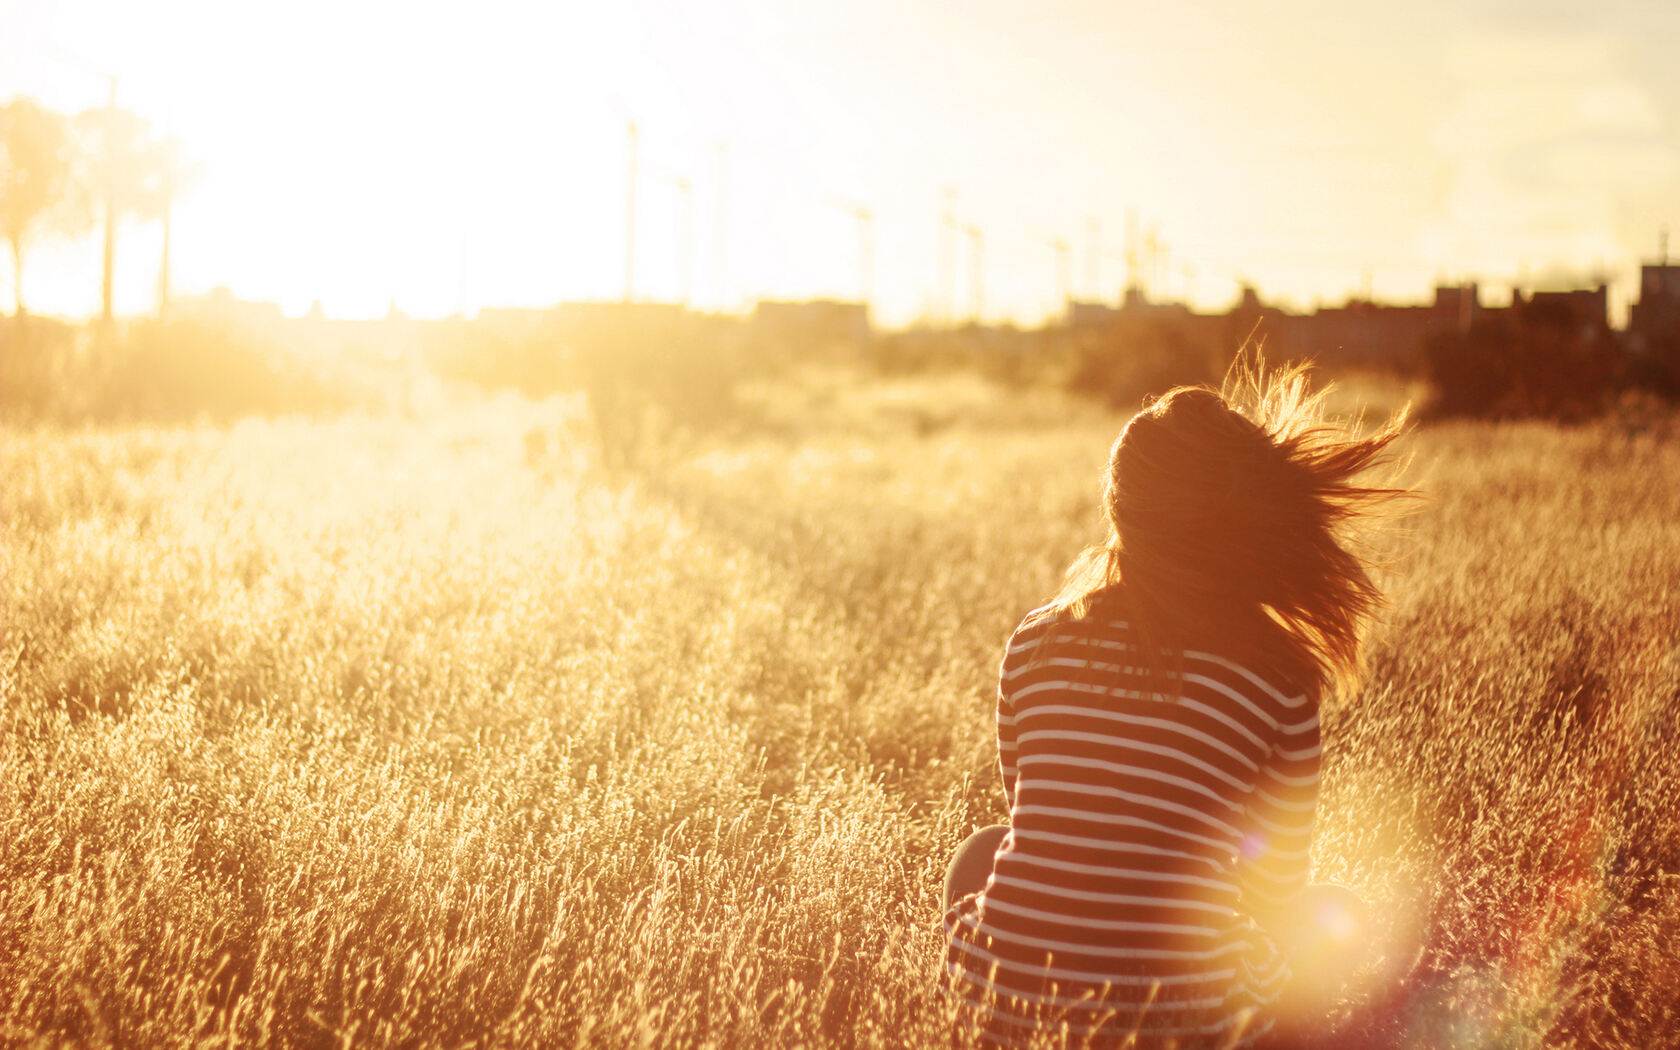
(371, 155)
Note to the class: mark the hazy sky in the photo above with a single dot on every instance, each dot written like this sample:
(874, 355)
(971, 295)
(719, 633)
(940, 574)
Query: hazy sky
(438, 155)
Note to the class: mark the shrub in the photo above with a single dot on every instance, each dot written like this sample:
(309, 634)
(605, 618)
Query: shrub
(529, 357)
(167, 370)
(1125, 363)
(37, 359)
(1655, 366)
(1511, 367)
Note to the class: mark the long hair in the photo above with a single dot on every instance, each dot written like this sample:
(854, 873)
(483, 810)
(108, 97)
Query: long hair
(1237, 522)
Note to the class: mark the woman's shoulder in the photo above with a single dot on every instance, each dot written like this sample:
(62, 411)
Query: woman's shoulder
(1276, 696)
(1039, 620)
(1044, 620)
(1055, 624)
(1029, 634)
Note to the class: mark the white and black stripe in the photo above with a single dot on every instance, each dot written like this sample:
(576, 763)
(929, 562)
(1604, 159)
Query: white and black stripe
(1140, 826)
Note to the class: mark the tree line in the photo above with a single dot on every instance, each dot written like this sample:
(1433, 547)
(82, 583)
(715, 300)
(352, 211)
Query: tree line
(63, 174)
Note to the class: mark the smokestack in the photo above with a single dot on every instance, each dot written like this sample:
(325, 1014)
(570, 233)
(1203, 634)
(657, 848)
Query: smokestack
(720, 230)
(107, 285)
(1131, 251)
(630, 218)
(976, 273)
(1093, 258)
(1064, 271)
(866, 255)
(948, 256)
(685, 240)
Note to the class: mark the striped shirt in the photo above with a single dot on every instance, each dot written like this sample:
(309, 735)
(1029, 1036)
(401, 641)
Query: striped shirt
(1146, 832)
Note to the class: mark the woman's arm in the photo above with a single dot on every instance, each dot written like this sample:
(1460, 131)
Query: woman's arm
(1006, 743)
(1020, 651)
(1276, 862)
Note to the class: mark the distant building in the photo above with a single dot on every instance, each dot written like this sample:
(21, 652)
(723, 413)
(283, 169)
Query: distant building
(514, 317)
(812, 322)
(1087, 314)
(612, 311)
(1583, 311)
(1358, 332)
(1456, 306)
(1659, 281)
(1655, 318)
(1361, 332)
(219, 306)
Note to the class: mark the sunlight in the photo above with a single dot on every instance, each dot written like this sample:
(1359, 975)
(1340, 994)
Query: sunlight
(454, 162)
(602, 524)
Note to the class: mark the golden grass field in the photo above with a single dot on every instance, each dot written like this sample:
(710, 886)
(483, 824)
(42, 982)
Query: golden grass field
(410, 732)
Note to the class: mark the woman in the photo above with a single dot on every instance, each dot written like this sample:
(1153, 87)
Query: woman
(1158, 736)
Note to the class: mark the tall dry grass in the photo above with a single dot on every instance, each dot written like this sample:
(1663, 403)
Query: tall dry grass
(383, 732)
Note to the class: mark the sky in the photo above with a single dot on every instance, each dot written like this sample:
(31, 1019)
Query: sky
(445, 158)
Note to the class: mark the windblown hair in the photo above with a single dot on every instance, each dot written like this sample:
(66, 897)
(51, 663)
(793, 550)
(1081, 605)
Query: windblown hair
(1237, 520)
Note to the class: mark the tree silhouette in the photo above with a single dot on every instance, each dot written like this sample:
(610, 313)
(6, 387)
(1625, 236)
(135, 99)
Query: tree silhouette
(178, 174)
(38, 185)
(132, 172)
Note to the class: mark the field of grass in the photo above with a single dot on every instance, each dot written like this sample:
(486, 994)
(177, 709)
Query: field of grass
(399, 732)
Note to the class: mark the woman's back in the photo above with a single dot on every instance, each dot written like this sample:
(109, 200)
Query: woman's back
(1161, 776)
(1146, 835)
